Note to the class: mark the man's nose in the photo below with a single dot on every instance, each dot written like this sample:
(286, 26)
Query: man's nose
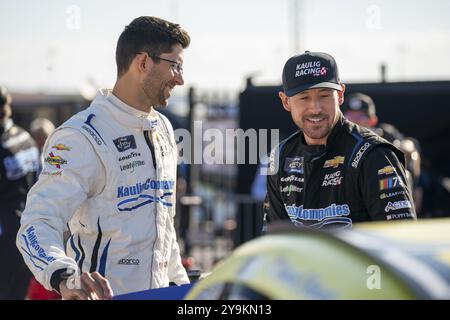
(179, 79)
(316, 106)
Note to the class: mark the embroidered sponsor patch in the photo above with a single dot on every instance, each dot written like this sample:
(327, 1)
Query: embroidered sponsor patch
(396, 216)
(54, 173)
(294, 165)
(61, 147)
(93, 135)
(310, 68)
(54, 160)
(132, 165)
(125, 143)
(32, 242)
(404, 204)
(332, 179)
(129, 156)
(390, 183)
(290, 188)
(386, 170)
(391, 194)
(153, 123)
(335, 162)
(129, 262)
(149, 184)
(359, 154)
(333, 210)
(292, 179)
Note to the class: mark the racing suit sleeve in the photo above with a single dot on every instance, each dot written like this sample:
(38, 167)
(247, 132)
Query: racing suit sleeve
(384, 187)
(177, 272)
(71, 173)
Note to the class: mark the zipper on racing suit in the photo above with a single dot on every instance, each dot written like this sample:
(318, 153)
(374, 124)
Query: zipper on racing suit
(148, 139)
(310, 167)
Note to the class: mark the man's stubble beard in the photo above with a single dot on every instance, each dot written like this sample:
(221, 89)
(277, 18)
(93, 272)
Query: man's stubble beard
(154, 93)
(317, 134)
(148, 89)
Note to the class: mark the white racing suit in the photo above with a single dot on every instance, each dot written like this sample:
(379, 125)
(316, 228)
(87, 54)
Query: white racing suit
(109, 178)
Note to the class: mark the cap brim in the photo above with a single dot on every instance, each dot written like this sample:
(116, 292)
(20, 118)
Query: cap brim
(330, 85)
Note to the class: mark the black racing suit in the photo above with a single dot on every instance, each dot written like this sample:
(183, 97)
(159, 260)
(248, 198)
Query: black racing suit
(357, 176)
(19, 162)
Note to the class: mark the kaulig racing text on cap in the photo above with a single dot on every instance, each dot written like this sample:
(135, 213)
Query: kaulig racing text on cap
(310, 70)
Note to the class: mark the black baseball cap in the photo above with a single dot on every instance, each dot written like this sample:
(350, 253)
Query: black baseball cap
(359, 102)
(308, 71)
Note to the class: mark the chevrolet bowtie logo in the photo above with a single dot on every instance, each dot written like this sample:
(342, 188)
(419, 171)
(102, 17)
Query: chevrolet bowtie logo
(334, 163)
(61, 147)
(386, 170)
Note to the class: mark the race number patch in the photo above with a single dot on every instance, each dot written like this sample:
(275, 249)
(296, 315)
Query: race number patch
(390, 183)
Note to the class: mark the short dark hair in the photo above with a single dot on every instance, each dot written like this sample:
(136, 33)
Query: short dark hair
(150, 34)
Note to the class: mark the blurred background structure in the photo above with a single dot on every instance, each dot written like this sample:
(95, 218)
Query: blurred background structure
(55, 55)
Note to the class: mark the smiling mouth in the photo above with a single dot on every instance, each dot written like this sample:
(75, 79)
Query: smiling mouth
(169, 91)
(315, 120)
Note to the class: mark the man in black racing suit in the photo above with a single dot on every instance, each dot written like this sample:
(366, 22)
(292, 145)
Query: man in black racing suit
(19, 162)
(332, 172)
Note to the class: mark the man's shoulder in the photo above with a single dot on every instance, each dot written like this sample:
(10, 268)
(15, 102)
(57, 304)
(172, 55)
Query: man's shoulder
(84, 125)
(290, 141)
(278, 153)
(360, 133)
(366, 141)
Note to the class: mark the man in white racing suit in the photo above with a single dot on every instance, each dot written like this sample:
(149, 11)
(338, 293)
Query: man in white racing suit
(109, 179)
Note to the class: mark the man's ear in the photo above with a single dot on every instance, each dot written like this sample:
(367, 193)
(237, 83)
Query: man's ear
(341, 95)
(143, 63)
(284, 100)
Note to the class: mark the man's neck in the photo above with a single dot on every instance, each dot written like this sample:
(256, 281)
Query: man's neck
(131, 95)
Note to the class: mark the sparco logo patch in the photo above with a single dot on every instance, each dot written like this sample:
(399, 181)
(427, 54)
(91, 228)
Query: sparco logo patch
(129, 262)
(359, 154)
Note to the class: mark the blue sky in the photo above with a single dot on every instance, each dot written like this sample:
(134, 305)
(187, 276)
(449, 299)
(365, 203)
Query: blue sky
(46, 48)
